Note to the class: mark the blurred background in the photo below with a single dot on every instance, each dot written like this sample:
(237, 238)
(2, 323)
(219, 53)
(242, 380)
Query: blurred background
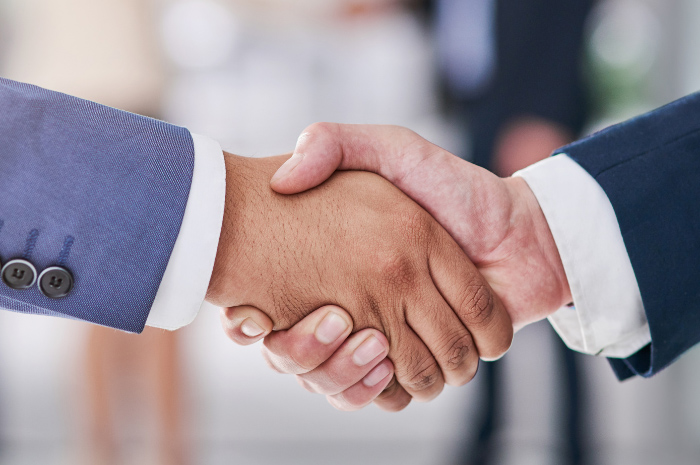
(499, 82)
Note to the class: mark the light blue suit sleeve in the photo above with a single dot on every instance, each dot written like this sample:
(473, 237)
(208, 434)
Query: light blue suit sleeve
(97, 191)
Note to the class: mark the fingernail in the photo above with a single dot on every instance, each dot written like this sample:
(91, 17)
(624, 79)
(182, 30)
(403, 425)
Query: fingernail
(251, 328)
(376, 375)
(331, 328)
(368, 351)
(288, 166)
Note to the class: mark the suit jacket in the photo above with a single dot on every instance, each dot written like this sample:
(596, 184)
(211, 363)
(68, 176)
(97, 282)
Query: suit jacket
(97, 191)
(649, 168)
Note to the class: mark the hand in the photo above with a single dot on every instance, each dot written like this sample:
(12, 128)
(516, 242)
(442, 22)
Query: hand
(358, 243)
(496, 221)
(351, 372)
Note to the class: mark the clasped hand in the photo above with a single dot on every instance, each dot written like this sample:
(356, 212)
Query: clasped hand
(364, 293)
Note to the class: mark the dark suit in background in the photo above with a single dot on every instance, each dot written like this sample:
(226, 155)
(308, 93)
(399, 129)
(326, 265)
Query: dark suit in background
(537, 48)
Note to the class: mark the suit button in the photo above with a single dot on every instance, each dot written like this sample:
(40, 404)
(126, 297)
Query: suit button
(55, 282)
(19, 274)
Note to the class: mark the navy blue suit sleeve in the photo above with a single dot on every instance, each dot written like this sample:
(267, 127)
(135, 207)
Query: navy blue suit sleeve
(649, 168)
(99, 191)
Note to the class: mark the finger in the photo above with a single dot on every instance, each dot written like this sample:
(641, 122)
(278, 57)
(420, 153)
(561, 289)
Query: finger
(325, 147)
(310, 342)
(365, 391)
(304, 384)
(446, 336)
(415, 367)
(471, 297)
(358, 355)
(245, 325)
(393, 398)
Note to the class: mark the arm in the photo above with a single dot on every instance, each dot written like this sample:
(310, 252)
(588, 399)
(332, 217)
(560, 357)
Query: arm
(621, 160)
(646, 169)
(88, 189)
(102, 193)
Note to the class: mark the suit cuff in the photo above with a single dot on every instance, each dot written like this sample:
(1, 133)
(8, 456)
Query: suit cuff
(186, 279)
(607, 317)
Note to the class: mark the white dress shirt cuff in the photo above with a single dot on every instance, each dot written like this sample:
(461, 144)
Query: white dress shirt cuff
(186, 279)
(608, 315)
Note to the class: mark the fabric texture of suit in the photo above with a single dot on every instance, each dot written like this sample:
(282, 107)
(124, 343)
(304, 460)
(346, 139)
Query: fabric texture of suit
(99, 191)
(649, 168)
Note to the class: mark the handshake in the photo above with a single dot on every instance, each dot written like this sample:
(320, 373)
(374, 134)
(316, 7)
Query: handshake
(380, 288)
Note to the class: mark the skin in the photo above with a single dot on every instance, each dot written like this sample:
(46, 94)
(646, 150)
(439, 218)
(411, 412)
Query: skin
(357, 243)
(496, 221)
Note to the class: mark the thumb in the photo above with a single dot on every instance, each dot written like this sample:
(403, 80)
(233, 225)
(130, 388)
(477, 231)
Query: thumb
(324, 148)
(317, 155)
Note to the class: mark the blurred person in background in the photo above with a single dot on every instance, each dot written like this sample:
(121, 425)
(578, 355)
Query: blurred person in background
(512, 74)
(108, 52)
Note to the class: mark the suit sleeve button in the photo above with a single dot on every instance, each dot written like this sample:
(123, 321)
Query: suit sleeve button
(55, 282)
(18, 274)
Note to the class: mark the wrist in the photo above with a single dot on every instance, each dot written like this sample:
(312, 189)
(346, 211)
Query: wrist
(248, 215)
(548, 277)
(238, 190)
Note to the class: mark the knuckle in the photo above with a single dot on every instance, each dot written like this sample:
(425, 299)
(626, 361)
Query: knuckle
(316, 135)
(331, 381)
(479, 305)
(412, 141)
(463, 370)
(423, 375)
(458, 351)
(498, 347)
(319, 128)
(394, 398)
(397, 269)
(424, 379)
(297, 360)
(287, 361)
